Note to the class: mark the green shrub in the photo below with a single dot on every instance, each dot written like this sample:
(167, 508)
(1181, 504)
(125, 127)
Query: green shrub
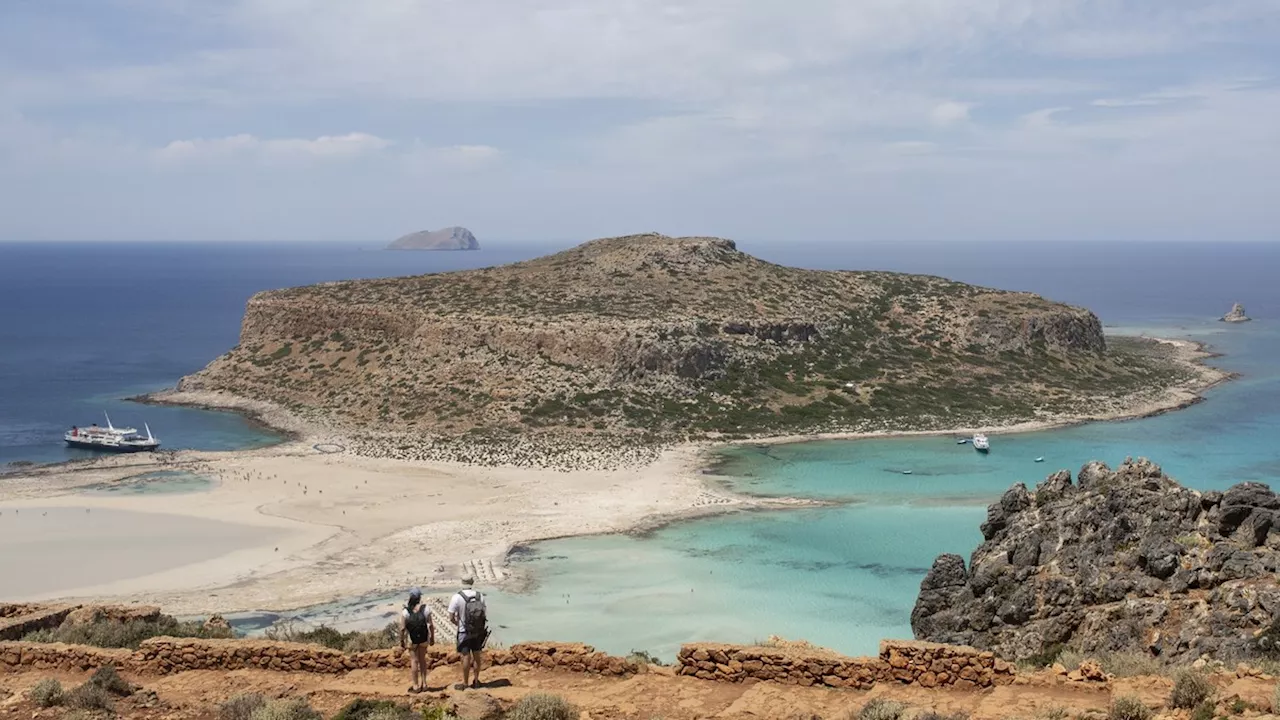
(540, 706)
(1203, 711)
(365, 709)
(107, 678)
(935, 715)
(241, 707)
(114, 634)
(882, 709)
(286, 709)
(1190, 689)
(643, 657)
(1047, 656)
(47, 693)
(89, 697)
(1238, 706)
(437, 712)
(355, 641)
(393, 712)
(1128, 707)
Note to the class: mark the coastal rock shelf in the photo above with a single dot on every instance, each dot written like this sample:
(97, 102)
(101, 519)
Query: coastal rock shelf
(624, 342)
(1123, 560)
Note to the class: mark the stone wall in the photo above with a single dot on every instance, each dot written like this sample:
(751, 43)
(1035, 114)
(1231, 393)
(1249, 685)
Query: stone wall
(924, 664)
(16, 620)
(159, 656)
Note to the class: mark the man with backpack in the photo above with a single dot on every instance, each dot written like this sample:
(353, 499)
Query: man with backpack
(467, 610)
(415, 622)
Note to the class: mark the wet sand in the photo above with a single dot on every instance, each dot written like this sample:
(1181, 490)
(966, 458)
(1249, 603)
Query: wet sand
(57, 550)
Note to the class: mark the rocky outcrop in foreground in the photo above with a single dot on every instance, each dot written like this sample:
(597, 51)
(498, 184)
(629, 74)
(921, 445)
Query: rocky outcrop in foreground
(1121, 560)
(1236, 315)
(450, 238)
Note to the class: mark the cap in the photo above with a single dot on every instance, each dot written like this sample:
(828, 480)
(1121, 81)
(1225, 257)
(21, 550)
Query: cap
(468, 580)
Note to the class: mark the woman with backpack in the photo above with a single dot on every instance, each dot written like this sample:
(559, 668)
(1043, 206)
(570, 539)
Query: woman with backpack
(415, 622)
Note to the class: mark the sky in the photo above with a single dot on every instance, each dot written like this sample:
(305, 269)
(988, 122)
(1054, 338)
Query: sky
(536, 120)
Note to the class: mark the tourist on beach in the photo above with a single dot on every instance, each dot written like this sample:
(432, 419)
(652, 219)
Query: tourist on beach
(415, 622)
(468, 612)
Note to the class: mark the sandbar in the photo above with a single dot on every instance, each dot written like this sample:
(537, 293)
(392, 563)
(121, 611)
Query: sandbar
(51, 550)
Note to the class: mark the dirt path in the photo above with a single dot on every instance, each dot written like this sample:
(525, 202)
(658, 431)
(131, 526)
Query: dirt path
(196, 695)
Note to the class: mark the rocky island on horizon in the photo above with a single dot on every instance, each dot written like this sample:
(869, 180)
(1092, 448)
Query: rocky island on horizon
(1236, 315)
(450, 238)
(654, 339)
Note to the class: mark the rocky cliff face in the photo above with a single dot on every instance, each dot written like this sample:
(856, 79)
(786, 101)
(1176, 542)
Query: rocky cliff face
(450, 238)
(657, 334)
(1121, 560)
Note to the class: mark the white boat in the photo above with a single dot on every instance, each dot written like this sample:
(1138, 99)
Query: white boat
(111, 438)
(980, 443)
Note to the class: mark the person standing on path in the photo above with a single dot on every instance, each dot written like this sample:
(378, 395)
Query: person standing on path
(415, 622)
(468, 611)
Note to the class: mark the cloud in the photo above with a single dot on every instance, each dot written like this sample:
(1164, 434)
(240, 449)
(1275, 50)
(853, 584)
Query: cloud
(1041, 118)
(458, 158)
(950, 113)
(576, 116)
(912, 147)
(244, 145)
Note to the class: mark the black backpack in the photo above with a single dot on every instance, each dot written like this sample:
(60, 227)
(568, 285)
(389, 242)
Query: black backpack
(416, 625)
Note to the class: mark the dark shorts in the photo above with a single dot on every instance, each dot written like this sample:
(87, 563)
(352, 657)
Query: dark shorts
(469, 644)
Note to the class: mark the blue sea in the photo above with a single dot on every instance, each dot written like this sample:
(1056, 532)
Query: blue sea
(98, 323)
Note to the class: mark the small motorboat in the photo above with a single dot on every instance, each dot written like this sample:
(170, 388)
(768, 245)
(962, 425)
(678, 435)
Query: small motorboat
(906, 472)
(1039, 459)
(962, 441)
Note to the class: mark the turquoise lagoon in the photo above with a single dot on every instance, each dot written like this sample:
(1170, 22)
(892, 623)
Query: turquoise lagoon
(847, 576)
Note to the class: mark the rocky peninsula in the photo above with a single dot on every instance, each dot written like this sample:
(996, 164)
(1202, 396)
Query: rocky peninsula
(1123, 560)
(645, 340)
(450, 238)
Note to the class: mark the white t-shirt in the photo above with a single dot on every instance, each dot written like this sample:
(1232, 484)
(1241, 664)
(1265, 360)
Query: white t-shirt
(458, 606)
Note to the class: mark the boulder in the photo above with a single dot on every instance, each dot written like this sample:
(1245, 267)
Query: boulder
(473, 705)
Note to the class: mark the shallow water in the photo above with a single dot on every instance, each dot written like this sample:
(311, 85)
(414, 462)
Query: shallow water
(162, 482)
(847, 577)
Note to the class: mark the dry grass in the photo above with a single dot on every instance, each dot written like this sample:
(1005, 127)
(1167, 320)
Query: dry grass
(1116, 663)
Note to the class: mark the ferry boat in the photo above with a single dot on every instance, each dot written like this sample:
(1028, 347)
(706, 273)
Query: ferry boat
(111, 438)
(981, 444)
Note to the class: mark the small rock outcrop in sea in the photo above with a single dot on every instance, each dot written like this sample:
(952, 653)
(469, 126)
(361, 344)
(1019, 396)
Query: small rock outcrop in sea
(1121, 560)
(450, 238)
(1236, 315)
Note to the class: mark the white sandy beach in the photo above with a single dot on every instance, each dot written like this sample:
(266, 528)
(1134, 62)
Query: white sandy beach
(307, 522)
(290, 526)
